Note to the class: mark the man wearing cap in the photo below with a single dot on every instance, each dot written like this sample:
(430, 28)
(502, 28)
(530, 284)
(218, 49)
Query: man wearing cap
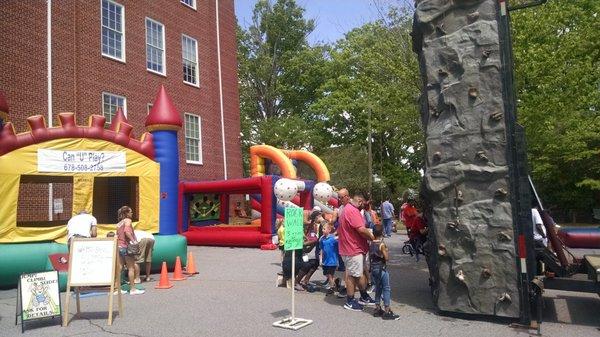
(82, 225)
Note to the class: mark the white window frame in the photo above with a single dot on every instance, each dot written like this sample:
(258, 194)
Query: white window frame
(164, 50)
(118, 96)
(197, 75)
(148, 108)
(123, 59)
(193, 6)
(200, 159)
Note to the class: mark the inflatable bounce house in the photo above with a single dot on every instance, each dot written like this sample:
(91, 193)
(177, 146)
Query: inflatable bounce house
(269, 195)
(99, 169)
(105, 168)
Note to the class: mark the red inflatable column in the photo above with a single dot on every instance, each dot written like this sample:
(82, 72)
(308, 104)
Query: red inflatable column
(306, 200)
(268, 207)
(224, 214)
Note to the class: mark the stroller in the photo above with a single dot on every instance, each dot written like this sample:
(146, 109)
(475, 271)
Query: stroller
(414, 245)
(413, 249)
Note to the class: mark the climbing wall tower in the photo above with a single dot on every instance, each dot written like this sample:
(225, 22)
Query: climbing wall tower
(472, 177)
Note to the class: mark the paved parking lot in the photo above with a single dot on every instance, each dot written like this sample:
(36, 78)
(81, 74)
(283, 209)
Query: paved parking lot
(235, 295)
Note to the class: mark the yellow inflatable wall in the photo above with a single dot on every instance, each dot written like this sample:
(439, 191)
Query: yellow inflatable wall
(24, 161)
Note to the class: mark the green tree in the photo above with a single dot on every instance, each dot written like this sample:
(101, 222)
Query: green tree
(557, 70)
(372, 88)
(279, 75)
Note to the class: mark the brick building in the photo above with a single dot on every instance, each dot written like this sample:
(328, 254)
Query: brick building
(111, 53)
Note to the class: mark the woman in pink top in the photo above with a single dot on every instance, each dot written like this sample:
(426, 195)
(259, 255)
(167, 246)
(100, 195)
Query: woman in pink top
(125, 235)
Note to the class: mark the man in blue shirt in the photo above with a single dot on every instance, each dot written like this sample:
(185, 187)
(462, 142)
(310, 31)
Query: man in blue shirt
(387, 214)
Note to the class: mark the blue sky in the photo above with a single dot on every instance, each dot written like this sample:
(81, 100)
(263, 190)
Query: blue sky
(333, 18)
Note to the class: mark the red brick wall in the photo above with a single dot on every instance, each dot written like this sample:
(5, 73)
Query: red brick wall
(33, 200)
(81, 73)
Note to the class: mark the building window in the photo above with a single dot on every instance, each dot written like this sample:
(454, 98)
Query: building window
(148, 108)
(110, 103)
(155, 46)
(189, 3)
(113, 30)
(193, 139)
(189, 52)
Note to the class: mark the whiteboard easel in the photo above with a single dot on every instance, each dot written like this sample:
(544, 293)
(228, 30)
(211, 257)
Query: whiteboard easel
(93, 262)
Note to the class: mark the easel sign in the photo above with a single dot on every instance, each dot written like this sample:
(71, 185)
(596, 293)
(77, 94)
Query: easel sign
(294, 239)
(39, 297)
(93, 262)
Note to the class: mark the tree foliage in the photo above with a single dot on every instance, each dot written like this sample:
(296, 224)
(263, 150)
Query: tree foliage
(272, 58)
(372, 88)
(328, 99)
(557, 70)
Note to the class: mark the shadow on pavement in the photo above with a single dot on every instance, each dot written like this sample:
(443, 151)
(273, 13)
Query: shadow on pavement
(572, 310)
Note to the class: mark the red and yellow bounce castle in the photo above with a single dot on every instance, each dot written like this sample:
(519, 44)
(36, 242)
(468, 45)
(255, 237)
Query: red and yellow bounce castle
(92, 158)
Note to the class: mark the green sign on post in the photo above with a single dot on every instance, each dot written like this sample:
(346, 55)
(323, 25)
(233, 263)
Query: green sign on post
(293, 228)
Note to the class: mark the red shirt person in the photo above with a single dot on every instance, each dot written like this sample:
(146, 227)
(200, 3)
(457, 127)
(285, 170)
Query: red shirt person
(353, 246)
(412, 220)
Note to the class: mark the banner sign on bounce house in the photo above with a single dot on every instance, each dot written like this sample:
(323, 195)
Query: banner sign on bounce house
(81, 161)
(293, 228)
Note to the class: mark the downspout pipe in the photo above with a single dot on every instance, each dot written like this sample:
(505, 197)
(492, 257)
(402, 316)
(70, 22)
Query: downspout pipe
(221, 91)
(49, 84)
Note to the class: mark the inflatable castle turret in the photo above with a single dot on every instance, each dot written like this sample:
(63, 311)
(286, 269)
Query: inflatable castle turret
(163, 122)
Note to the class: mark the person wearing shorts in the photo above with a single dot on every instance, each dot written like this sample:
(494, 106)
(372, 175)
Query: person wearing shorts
(146, 242)
(353, 247)
(125, 236)
(329, 255)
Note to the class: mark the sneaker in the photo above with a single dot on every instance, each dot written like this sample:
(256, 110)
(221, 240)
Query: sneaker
(378, 312)
(370, 288)
(367, 301)
(137, 281)
(353, 305)
(309, 287)
(299, 287)
(116, 292)
(339, 295)
(390, 316)
(136, 291)
(343, 291)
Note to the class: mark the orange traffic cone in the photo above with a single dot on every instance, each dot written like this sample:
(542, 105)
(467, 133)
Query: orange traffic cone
(177, 273)
(164, 283)
(190, 267)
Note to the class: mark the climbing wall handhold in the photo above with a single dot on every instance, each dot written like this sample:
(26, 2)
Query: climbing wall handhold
(501, 193)
(480, 155)
(473, 93)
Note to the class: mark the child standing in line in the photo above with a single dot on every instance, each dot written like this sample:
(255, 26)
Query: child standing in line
(329, 256)
(378, 256)
(280, 235)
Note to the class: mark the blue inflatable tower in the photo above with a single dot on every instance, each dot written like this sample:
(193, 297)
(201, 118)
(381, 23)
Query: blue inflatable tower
(163, 122)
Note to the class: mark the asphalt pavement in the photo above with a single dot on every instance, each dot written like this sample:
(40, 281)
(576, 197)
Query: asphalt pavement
(235, 295)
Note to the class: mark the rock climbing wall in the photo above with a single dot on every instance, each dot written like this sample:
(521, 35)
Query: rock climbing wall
(473, 263)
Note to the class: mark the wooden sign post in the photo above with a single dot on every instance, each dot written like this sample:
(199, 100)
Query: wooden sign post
(294, 239)
(38, 296)
(93, 262)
